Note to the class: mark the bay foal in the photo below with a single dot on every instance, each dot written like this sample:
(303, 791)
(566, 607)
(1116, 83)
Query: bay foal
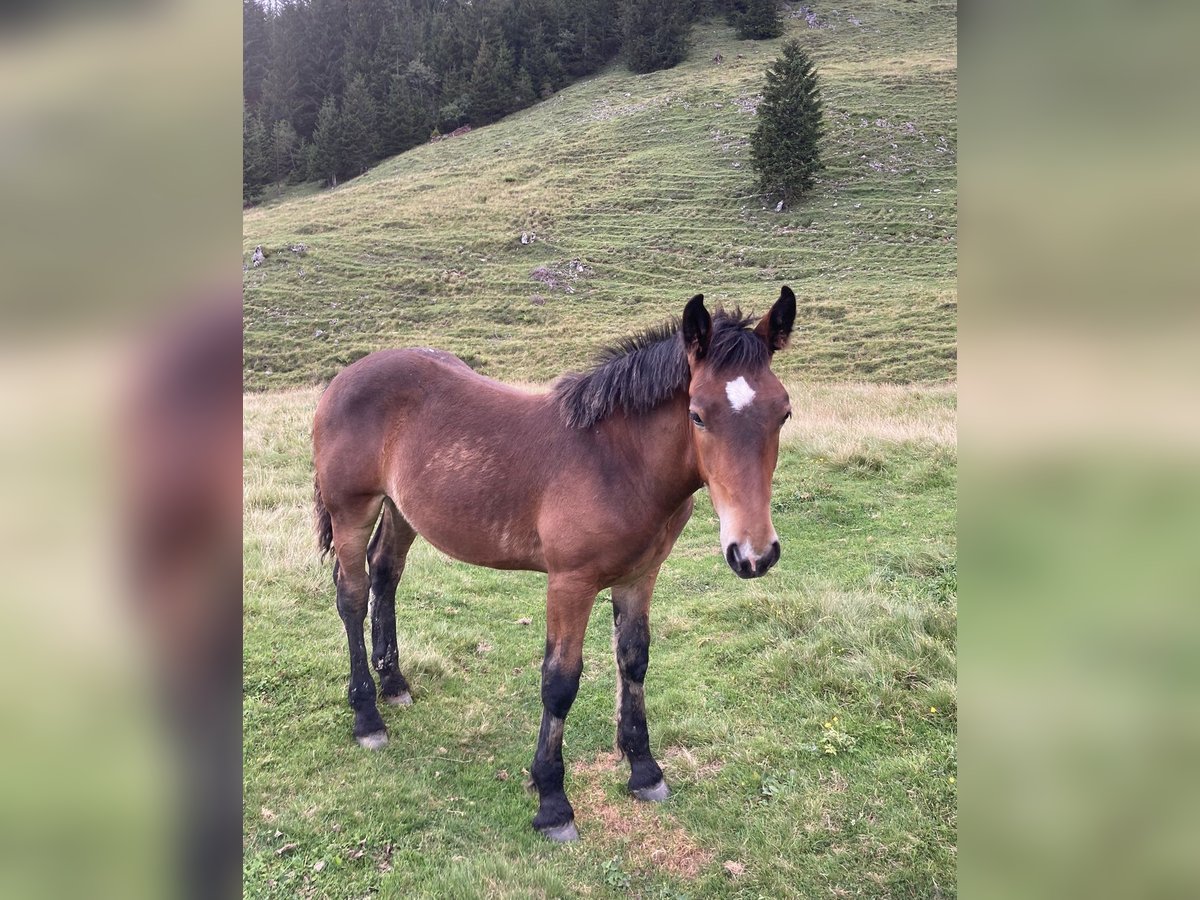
(590, 483)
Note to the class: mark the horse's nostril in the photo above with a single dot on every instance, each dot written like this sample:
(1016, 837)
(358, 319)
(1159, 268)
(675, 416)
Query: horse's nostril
(740, 565)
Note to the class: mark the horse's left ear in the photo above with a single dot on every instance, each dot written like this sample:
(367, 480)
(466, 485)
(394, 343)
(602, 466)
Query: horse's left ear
(776, 326)
(697, 328)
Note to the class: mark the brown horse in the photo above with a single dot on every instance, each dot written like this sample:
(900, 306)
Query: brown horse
(590, 483)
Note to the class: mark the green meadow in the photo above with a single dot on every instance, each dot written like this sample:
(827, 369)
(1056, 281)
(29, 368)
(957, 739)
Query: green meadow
(806, 721)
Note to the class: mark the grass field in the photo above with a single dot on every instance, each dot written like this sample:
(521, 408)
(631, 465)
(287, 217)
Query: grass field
(806, 721)
(855, 628)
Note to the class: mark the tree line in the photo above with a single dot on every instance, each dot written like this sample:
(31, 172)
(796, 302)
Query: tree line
(332, 86)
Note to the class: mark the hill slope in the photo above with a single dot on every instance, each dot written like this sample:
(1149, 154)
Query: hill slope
(640, 193)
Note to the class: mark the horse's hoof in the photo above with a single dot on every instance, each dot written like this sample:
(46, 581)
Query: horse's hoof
(376, 741)
(656, 793)
(562, 834)
(404, 699)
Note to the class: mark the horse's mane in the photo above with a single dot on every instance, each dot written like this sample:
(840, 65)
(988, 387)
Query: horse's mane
(639, 372)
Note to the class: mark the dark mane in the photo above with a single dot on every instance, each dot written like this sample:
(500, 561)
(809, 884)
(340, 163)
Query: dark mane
(638, 373)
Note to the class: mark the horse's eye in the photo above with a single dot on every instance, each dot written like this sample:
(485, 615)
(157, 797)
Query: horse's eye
(695, 417)
(786, 416)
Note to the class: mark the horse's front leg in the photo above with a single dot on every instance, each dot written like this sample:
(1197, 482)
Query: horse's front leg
(631, 644)
(568, 605)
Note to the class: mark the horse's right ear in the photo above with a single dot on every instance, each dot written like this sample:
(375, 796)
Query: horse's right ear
(697, 328)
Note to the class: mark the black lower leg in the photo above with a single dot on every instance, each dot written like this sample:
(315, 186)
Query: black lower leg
(385, 655)
(559, 688)
(633, 737)
(352, 606)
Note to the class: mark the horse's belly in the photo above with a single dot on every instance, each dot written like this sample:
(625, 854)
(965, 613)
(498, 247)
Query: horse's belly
(471, 532)
(495, 549)
(473, 498)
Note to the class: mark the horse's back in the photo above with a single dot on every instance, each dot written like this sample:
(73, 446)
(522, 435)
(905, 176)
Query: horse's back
(372, 391)
(402, 422)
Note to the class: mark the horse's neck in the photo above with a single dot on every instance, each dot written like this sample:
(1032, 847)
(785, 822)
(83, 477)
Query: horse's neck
(664, 451)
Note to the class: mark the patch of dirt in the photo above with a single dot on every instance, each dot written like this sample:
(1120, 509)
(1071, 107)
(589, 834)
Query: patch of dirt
(457, 132)
(834, 782)
(651, 838)
(749, 103)
(561, 276)
(606, 110)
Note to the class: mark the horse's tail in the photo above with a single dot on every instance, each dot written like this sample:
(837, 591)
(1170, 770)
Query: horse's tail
(324, 523)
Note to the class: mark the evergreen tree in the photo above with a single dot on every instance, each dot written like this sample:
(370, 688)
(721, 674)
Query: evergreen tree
(423, 82)
(523, 93)
(491, 82)
(455, 99)
(284, 144)
(358, 129)
(757, 20)
(785, 143)
(303, 158)
(453, 114)
(366, 20)
(254, 51)
(595, 31)
(256, 169)
(310, 163)
(325, 45)
(655, 34)
(326, 154)
(281, 89)
(402, 123)
(540, 60)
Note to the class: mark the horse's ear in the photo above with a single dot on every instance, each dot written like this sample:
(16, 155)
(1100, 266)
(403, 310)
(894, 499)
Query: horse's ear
(697, 328)
(776, 326)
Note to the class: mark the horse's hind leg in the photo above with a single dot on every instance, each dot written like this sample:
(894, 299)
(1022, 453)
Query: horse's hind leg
(352, 521)
(385, 557)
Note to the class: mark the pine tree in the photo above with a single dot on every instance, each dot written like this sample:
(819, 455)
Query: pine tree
(254, 50)
(358, 129)
(402, 123)
(757, 20)
(326, 159)
(491, 82)
(283, 144)
(785, 143)
(523, 92)
(282, 97)
(256, 169)
(423, 82)
(655, 34)
(303, 158)
(310, 163)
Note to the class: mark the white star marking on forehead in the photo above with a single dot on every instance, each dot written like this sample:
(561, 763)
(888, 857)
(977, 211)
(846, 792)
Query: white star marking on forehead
(739, 393)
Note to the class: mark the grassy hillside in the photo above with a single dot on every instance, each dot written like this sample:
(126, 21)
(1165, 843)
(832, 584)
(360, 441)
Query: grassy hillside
(640, 193)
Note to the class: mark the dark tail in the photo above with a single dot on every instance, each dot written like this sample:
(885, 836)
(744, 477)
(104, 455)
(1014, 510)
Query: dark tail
(323, 522)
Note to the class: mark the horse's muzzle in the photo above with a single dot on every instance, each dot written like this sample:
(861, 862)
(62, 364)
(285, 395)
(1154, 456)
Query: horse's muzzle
(751, 567)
